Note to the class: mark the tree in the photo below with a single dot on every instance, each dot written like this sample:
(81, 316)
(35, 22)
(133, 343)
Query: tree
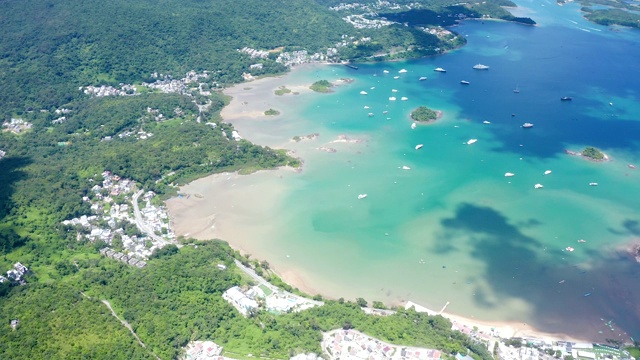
(361, 302)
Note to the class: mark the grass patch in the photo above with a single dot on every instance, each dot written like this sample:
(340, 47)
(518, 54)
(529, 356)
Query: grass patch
(272, 112)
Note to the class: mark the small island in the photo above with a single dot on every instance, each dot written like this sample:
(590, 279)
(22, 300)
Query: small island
(272, 112)
(282, 90)
(321, 86)
(594, 154)
(424, 114)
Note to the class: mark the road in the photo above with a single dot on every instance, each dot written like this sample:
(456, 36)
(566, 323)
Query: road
(140, 222)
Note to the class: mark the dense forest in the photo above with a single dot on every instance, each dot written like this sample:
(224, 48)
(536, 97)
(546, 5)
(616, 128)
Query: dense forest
(51, 51)
(177, 298)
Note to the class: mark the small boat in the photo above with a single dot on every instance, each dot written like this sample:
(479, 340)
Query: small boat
(527, 125)
(439, 69)
(384, 112)
(413, 126)
(631, 166)
(464, 82)
(394, 90)
(406, 168)
(561, 281)
(486, 122)
(385, 71)
(538, 186)
(508, 174)
(480, 67)
(363, 92)
(593, 184)
(373, 87)
(404, 98)
(419, 146)
(566, 98)
(396, 77)
(366, 107)
(547, 172)
(422, 78)
(472, 141)
(362, 196)
(587, 295)
(582, 241)
(610, 104)
(392, 98)
(402, 71)
(370, 114)
(569, 249)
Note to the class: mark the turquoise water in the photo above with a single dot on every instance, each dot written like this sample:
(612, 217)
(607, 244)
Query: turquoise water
(454, 228)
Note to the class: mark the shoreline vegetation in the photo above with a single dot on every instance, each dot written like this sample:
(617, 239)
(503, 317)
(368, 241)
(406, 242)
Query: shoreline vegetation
(321, 86)
(423, 115)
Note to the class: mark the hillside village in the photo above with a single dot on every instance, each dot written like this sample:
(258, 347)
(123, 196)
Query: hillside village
(128, 231)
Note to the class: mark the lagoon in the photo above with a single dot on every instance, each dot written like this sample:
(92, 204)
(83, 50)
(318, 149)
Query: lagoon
(453, 228)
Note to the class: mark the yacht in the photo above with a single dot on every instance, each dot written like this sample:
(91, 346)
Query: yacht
(539, 186)
(402, 71)
(547, 172)
(471, 141)
(480, 67)
(439, 69)
(464, 82)
(486, 122)
(405, 167)
(508, 174)
(363, 92)
(385, 71)
(413, 126)
(527, 125)
(419, 146)
(423, 78)
(404, 98)
(566, 98)
(593, 184)
(370, 114)
(392, 98)
(362, 196)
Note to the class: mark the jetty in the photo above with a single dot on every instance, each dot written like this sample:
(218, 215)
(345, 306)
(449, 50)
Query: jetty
(351, 66)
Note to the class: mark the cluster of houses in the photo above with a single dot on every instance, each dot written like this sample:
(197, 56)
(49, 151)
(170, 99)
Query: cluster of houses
(17, 126)
(536, 349)
(113, 208)
(248, 301)
(100, 91)
(110, 253)
(363, 21)
(254, 53)
(299, 57)
(15, 275)
(377, 6)
(181, 86)
(351, 344)
(203, 350)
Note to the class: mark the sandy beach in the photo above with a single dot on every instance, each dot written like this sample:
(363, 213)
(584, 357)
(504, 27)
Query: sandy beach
(206, 206)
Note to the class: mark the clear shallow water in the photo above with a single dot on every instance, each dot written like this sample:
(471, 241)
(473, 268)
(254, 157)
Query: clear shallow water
(453, 228)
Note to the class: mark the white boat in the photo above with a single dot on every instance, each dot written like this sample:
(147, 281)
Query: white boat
(404, 98)
(439, 69)
(486, 122)
(527, 125)
(370, 114)
(384, 112)
(547, 172)
(373, 87)
(464, 82)
(366, 107)
(396, 77)
(362, 196)
(405, 167)
(538, 186)
(413, 126)
(363, 92)
(582, 241)
(394, 90)
(385, 71)
(471, 141)
(419, 146)
(508, 174)
(402, 71)
(422, 78)
(593, 184)
(569, 249)
(392, 98)
(480, 67)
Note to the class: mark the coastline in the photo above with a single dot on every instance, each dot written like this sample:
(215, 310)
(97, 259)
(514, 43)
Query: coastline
(249, 100)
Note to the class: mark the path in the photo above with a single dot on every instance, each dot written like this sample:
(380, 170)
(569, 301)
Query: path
(140, 222)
